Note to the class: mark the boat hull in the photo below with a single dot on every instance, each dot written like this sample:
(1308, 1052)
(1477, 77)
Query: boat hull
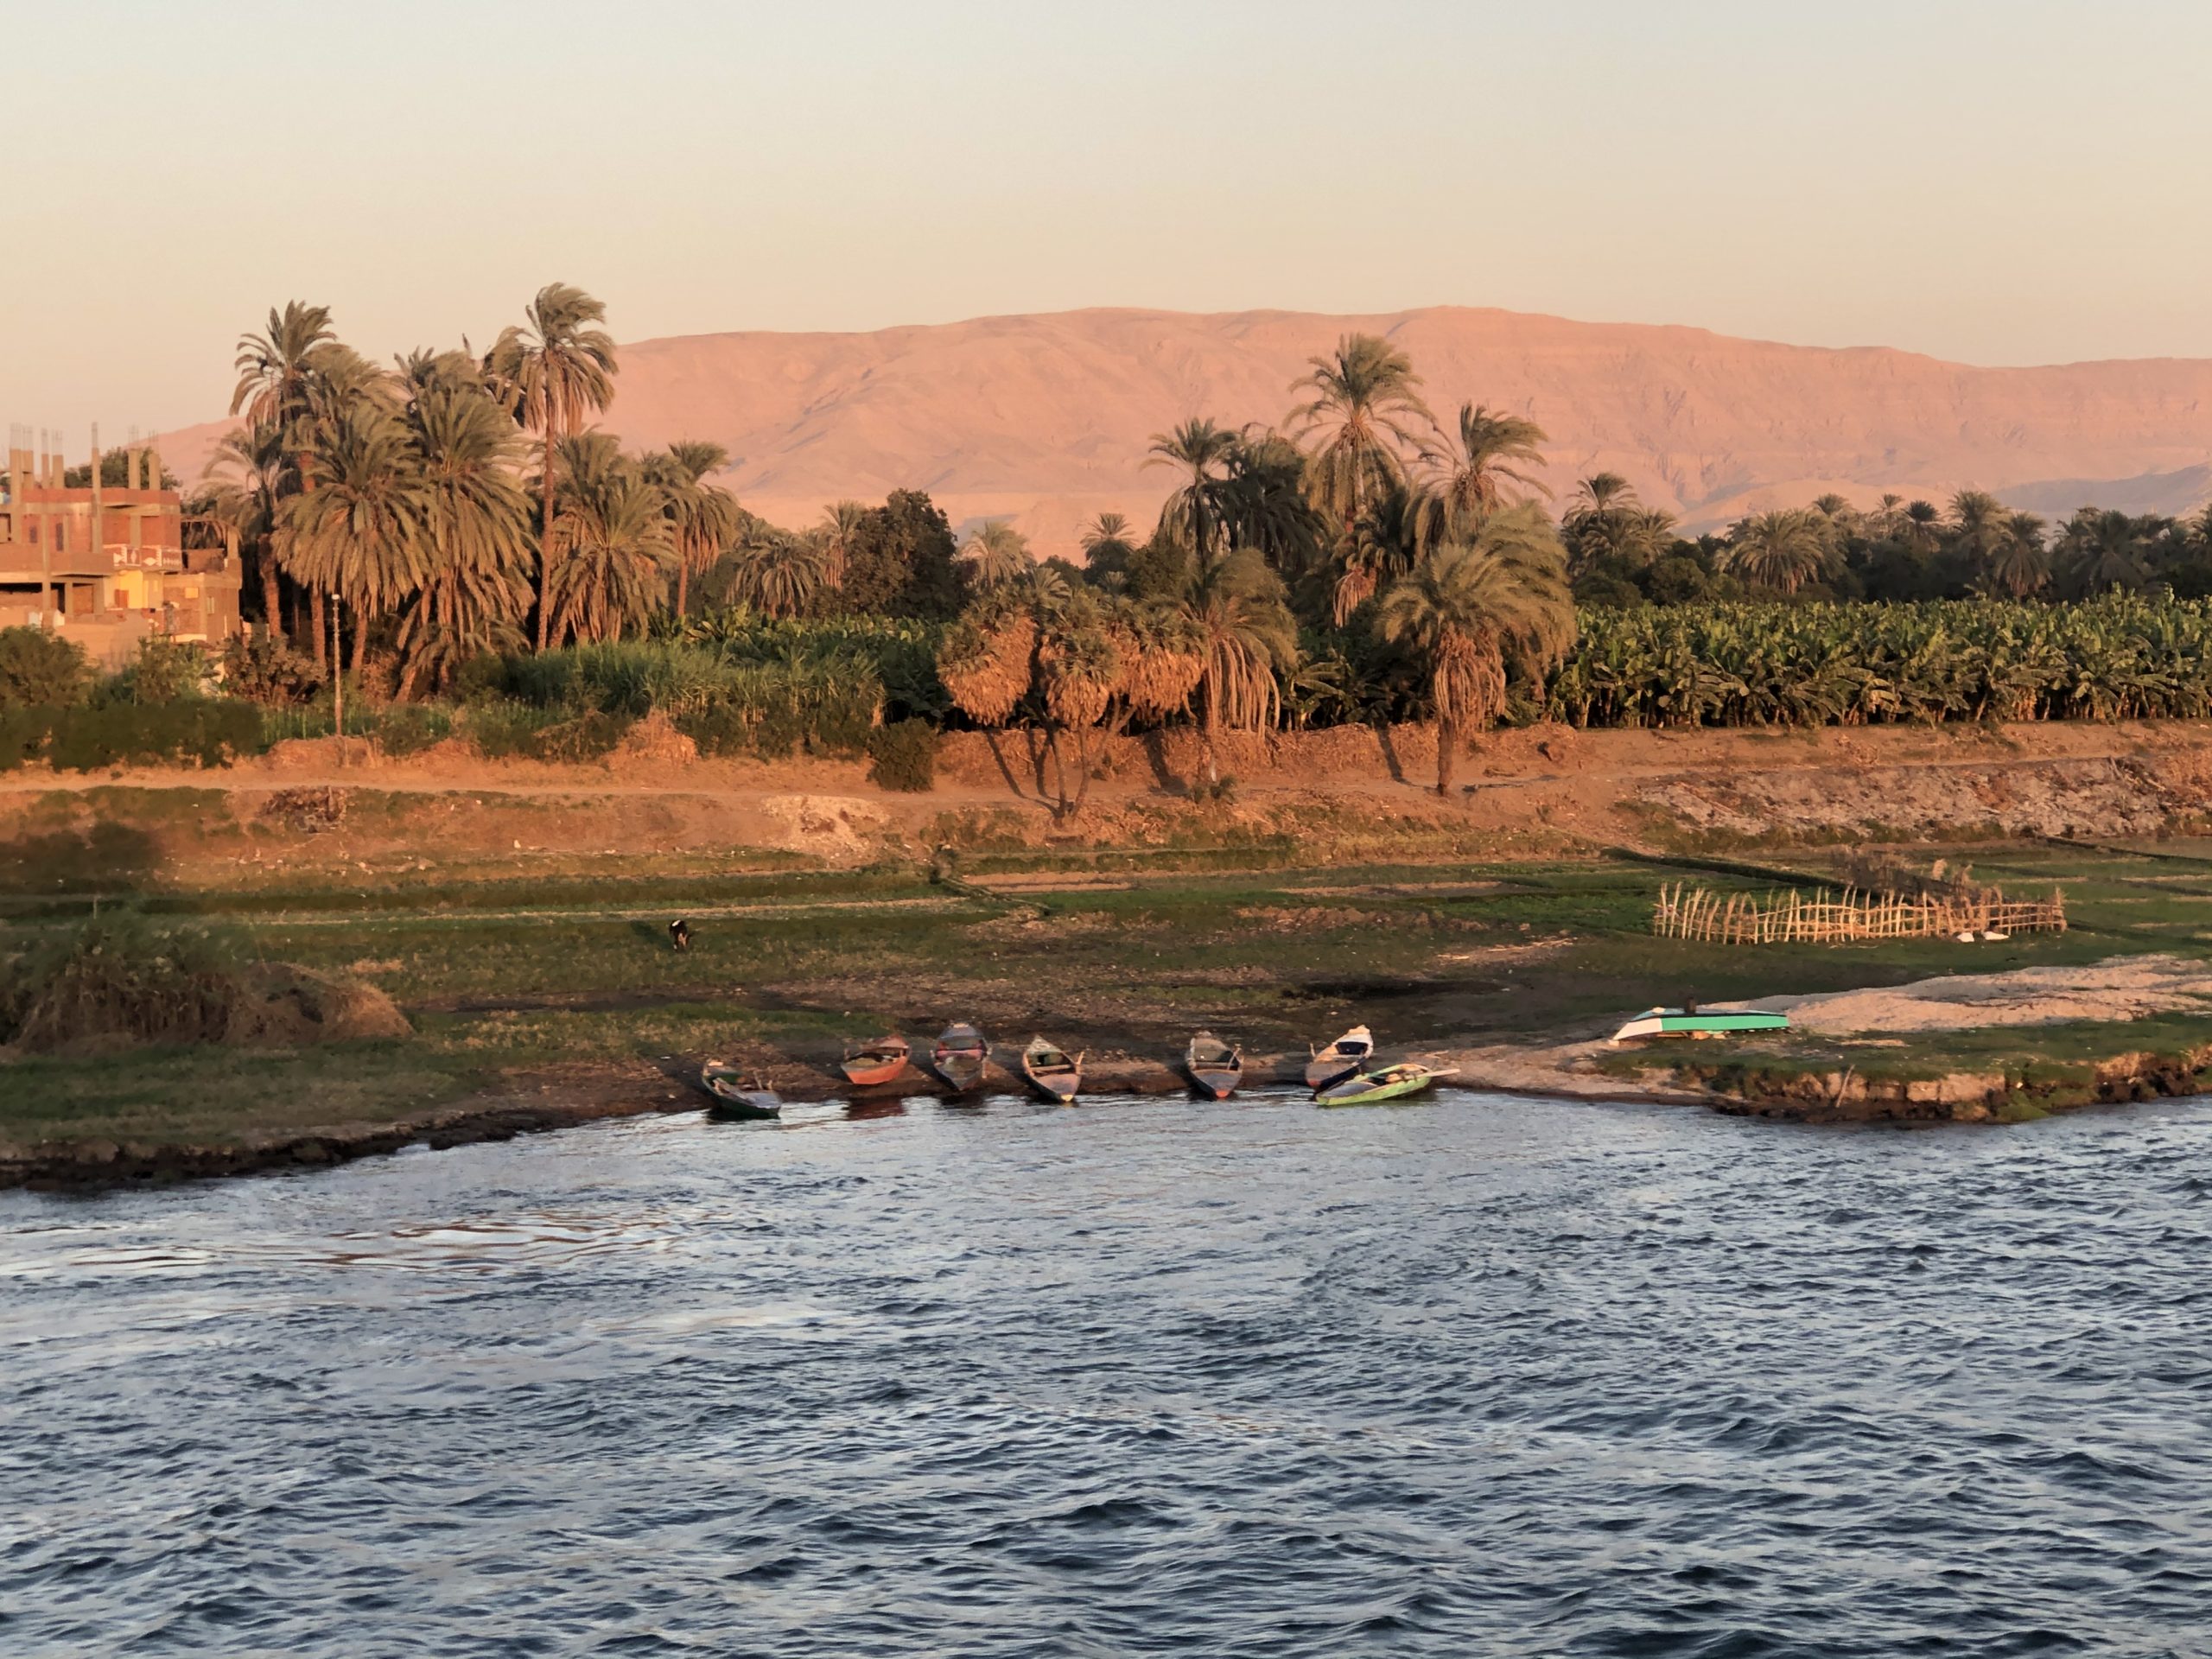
(1672, 1022)
(961, 1071)
(728, 1102)
(1349, 1055)
(873, 1074)
(1216, 1086)
(731, 1110)
(1373, 1088)
(1375, 1097)
(1054, 1073)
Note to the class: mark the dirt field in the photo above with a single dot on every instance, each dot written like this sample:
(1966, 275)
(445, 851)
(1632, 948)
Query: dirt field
(327, 810)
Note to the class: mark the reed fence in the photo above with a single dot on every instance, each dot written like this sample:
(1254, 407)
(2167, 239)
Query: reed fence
(1682, 913)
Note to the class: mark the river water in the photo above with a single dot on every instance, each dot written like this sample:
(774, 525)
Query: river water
(1483, 1375)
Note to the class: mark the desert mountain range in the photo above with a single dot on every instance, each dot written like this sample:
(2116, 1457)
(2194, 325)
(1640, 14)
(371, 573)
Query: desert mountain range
(1044, 419)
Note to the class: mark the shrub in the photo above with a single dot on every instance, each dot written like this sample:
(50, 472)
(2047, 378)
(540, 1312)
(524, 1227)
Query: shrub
(165, 670)
(210, 732)
(502, 731)
(903, 756)
(23, 733)
(587, 737)
(40, 670)
(717, 730)
(482, 678)
(121, 977)
(264, 672)
(412, 729)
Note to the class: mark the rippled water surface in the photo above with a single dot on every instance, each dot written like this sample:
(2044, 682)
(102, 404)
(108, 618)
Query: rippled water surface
(1483, 1375)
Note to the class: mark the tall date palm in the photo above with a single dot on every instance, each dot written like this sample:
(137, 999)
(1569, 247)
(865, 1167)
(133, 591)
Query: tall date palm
(561, 367)
(1365, 416)
(1472, 606)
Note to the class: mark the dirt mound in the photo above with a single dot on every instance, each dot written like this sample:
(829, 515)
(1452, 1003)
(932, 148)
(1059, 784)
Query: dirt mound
(278, 1005)
(837, 828)
(2116, 796)
(308, 811)
(653, 744)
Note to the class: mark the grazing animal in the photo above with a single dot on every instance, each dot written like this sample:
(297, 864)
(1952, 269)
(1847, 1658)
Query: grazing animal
(679, 935)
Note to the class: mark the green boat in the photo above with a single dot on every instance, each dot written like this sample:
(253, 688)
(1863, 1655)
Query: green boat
(1386, 1083)
(1694, 1021)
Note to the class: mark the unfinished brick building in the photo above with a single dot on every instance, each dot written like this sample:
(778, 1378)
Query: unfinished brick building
(108, 566)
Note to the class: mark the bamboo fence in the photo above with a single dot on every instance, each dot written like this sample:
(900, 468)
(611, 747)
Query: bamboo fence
(1789, 917)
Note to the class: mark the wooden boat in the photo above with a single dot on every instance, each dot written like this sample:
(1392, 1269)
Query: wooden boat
(871, 1065)
(734, 1096)
(1216, 1067)
(1340, 1058)
(958, 1057)
(1698, 1023)
(1385, 1082)
(1051, 1071)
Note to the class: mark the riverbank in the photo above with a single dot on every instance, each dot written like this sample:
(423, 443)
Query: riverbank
(535, 1004)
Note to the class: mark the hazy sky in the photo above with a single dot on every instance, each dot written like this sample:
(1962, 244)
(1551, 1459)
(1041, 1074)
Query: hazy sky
(2006, 182)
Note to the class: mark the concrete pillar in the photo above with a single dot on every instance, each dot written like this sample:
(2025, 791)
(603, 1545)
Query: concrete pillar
(100, 516)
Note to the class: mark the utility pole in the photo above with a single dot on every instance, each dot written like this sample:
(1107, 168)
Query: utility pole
(338, 675)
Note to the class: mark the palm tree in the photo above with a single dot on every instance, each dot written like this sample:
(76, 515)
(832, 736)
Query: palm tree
(359, 533)
(1231, 616)
(1980, 526)
(1106, 550)
(842, 528)
(777, 572)
(1266, 505)
(611, 543)
(1606, 521)
(703, 518)
(561, 368)
(2103, 550)
(282, 386)
(2020, 564)
(1470, 607)
(1921, 523)
(986, 660)
(274, 368)
(996, 553)
(476, 521)
(1363, 409)
(1602, 493)
(1782, 550)
(1383, 545)
(1493, 449)
(252, 476)
(1888, 517)
(1195, 515)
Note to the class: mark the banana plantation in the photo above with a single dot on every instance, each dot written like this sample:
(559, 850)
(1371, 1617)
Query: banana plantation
(2122, 657)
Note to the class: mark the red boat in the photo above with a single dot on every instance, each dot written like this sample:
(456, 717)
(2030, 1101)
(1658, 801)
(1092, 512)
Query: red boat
(873, 1065)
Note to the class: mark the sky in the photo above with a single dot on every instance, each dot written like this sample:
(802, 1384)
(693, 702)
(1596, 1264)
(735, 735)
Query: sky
(1997, 183)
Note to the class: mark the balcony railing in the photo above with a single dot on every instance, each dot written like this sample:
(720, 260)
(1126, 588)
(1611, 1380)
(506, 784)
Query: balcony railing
(146, 558)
